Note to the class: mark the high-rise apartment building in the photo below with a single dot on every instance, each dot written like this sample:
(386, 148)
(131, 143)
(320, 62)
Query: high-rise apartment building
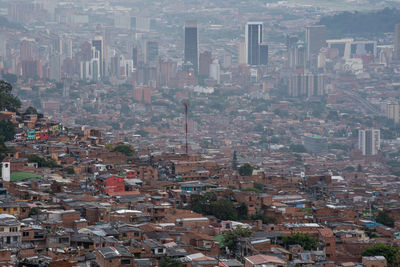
(369, 141)
(98, 44)
(205, 61)
(151, 52)
(256, 51)
(396, 54)
(315, 39)
(307, 85)
(191, 45)
(392, 112)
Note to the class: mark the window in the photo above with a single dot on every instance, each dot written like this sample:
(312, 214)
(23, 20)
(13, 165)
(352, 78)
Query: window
(125, 261)
(25, 233)
(160, 250)
(64, 240)
(13, 229)
(136, 234)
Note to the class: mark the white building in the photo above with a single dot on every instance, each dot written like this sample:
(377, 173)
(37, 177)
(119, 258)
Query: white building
(369, 141)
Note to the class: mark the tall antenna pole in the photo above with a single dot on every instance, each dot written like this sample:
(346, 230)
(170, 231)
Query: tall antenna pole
(186, 104)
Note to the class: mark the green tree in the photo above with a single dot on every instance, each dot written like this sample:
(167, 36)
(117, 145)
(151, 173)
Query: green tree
(7, 129)
(127, 150)
(224, 209)
(202, 203)
(390, 253)
(245, 170)
(42, 162)
(7, 100)
(384, 218)
(242, 211)
(265, 219)
(304, 240)
(3, 148)
(230, 238)
(169, 262)
(10, 78)
(69, 170)
(258, 186)
(32, 111)
(298, 148)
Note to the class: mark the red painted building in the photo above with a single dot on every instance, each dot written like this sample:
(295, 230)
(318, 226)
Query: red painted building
(110, 184)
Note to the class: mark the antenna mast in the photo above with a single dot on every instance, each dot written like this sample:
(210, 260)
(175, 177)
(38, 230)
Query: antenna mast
(186, 104)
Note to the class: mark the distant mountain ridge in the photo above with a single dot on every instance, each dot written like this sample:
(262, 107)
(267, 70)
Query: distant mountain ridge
(360, 24)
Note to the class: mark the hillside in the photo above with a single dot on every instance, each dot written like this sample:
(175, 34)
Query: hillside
(361, 24)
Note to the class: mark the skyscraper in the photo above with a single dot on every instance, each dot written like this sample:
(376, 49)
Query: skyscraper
(369, 141)
(256, 51)
(396, 54)
(315, 39)
(392, 112)
(191, 45)
(151, 52)
(98, 44)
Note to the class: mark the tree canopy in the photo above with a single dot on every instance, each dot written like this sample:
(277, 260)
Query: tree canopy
(222, 209)
(127, 150)
(245, 170)
(7, 100)
(305, 240)
(384, 218)
(42, 162)
(169, 262)
(390, 253)
(230, 238)
(7, 129)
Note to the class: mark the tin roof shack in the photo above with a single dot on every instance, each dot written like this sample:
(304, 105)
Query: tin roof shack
(114, 256)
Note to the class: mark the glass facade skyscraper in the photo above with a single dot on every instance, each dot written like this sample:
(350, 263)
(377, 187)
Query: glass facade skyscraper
(191, 45)
(256, 52)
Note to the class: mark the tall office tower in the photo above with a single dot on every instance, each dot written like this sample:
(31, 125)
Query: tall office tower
(135, 56)
(68, 47)
(256, 51)
(215, 71)
(26, 50)
(58, 45)
(392, 112)
(263, 54)
(151, 52)
(3, 45)
(242, 53)
(115, 65)
(191, 45)
(205, 61)
(369, 141)
(98, 44)
(396, 55)
(55, 67)
(290, 41)
(315, 40)
(297, 55)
